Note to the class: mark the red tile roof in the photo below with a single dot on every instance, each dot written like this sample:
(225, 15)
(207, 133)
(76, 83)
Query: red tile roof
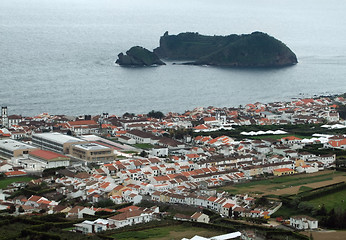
(283, 170)
(82, 122)
(47, 155)
(15, 173)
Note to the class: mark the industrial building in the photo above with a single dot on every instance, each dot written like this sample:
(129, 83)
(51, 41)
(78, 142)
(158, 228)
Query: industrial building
(11, 148)
(54, 141)
(93, 152)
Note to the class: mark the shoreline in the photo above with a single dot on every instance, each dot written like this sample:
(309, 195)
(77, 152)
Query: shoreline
(297, 97)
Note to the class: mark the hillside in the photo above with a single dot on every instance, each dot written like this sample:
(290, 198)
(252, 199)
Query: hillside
(248, 50)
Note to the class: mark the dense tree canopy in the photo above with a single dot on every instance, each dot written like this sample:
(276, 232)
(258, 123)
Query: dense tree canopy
(155, 114)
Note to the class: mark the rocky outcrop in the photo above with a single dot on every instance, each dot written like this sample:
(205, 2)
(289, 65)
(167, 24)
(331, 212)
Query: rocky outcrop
(138, 56)
(248, 50)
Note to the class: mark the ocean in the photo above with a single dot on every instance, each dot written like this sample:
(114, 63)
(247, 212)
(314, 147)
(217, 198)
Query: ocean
(58, 56)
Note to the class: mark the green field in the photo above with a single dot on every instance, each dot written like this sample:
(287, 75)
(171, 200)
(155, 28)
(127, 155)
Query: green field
(304, 188)
(171, 232)
(7, 181)
(285, 212)
(144, 146)
(268, 186)
(330, 201)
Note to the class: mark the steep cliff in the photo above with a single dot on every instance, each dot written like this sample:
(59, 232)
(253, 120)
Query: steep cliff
(248, 50)
(138, 56)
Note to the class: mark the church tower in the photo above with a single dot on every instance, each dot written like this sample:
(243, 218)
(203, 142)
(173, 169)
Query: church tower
(4, 117)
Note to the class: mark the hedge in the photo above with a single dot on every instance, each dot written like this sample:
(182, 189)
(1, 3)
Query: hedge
(322, 191)
(39, 235)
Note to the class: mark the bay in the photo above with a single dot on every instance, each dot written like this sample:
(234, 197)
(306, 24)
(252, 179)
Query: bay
(58, 56)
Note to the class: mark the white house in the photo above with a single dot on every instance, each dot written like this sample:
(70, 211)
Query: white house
(78, 211)
(92, 226)
(129, 218)
(307, 169)
(159, 151)
(303, 222)
(200, 217)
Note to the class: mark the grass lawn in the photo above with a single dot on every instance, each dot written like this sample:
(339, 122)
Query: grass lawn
(130, 152)
(285, 212)
(170, 232)
(268, 186)
(68, 229)
(7, 181)
(304, 188)
(330, 201)
(144, 146)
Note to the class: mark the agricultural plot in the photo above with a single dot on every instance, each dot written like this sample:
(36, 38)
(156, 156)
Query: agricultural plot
(288, 185)
(330, 235)
(330, 201)
(170, 232)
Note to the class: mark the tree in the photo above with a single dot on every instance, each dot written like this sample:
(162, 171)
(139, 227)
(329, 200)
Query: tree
(12, 209)
(322, 211)
(305, 207)
(330, 222)
(236, 215)
(342, 111)
(21, 209)
(180, 133)
(105, 203)
(155, 114)
(143, 154)
(128, 115)
(262, 201)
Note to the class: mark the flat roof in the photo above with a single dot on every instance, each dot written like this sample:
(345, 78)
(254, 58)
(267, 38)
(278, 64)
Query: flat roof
(91, 146)
(13, 145)
(58, 137)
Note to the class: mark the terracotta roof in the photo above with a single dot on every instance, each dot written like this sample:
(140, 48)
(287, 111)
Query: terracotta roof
(82, 122)
(228, 205)
(196, 215)
(76, 208)
(338, 143)
(161, 178)
(34, 198)
(129, 208)
(47, 155)
(126, 215)
(283, 170)
(15, 173)
(290, 138)
(82, 175)
(208, 119)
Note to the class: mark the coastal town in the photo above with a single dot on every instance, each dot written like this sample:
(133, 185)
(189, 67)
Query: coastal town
(125, 170)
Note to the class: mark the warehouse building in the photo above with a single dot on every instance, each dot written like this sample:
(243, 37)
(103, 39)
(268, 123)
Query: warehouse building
(11, 148)
(54, 141)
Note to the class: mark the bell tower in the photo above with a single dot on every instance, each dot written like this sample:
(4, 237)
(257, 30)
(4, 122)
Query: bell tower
(4, 117)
